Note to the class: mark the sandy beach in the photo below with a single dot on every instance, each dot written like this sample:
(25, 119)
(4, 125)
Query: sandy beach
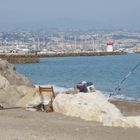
(19, 124)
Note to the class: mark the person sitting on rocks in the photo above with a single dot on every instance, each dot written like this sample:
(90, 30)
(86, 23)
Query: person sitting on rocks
(1, 107)
(85, 87)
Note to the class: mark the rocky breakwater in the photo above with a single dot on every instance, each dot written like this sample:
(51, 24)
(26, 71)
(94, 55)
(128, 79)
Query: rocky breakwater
(93, 107)
(20, 58)
(13, 85)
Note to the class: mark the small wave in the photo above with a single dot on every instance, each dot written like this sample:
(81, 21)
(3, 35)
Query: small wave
(120, 97)
(57, 89)
(60, 89)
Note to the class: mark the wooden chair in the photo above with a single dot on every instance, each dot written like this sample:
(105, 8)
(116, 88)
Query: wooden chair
(50, 91)
(45, 90)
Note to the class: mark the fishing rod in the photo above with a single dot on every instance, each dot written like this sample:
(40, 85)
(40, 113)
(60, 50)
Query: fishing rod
(118, 88)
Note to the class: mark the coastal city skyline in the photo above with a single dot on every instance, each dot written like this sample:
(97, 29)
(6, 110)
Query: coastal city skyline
(62, 26)
(85, 14)
(69, 41)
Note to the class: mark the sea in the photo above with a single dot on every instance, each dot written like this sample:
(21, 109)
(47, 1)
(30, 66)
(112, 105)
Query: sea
(105, 72)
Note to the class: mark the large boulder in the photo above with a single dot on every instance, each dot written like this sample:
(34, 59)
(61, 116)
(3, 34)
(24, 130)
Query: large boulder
(13, 85)
(16, 89)
(93, 107)
(4, 83)
(9, 72)
(34, 100)
(31, 99)
(88, 106)
(12, 94)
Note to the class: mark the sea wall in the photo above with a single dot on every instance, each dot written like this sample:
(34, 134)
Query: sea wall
(25, 58)
(80, 54)
(32, 58)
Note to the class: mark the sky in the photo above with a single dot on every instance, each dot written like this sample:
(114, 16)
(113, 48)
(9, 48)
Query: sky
(82, 14)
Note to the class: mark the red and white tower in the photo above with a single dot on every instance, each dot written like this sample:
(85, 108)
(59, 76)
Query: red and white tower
(109, 47)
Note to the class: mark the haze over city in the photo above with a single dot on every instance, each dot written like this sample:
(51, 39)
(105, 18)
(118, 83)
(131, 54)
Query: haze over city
(83, 14)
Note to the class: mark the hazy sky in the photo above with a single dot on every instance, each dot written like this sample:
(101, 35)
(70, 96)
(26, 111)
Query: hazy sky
(70, 14)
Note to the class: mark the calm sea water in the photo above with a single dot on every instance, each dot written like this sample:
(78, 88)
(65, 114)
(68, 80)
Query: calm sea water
(105, 72)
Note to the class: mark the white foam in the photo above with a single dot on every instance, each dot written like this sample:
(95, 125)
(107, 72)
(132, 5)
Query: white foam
(57, 89)
(61, 89)
(120, 97)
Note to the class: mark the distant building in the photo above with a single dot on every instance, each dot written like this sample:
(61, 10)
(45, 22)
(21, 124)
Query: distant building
(1, 51)
(109, 47)
(23, 51)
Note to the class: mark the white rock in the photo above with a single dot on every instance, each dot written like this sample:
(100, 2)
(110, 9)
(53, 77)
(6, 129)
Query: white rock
(132, 121)
(24, 90)
(32, 98)
(88, 106)
(12, 94)
(4, 83)
(8, 71)
(93, 107)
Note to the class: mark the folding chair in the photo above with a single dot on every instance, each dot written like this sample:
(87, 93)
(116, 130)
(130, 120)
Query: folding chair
(47, 96)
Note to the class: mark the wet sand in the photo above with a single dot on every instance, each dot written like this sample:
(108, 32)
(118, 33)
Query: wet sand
(19, 124)
(127, 108)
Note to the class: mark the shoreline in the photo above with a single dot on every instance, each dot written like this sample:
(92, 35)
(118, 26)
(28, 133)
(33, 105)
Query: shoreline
(127, 108)
(125, 100)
